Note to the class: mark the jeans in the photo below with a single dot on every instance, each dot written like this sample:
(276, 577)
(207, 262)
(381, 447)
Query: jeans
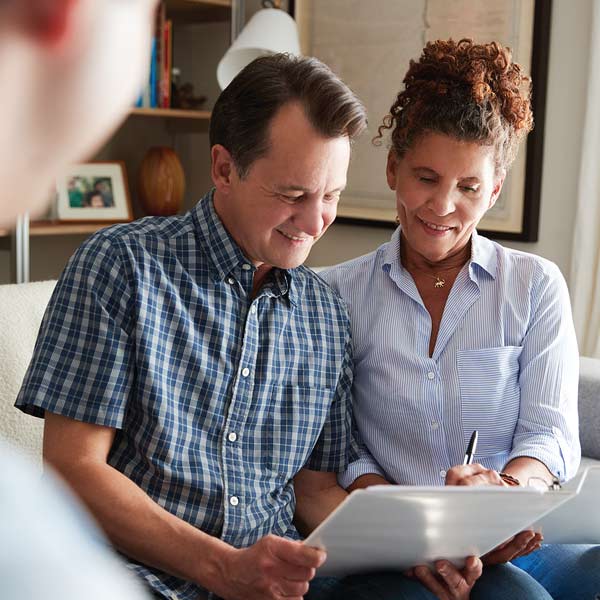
(497, 582)
(567, 571)
(554, 572)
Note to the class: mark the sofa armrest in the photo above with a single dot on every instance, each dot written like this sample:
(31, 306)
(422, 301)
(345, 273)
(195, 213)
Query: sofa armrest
(22, 307)
(589, 407)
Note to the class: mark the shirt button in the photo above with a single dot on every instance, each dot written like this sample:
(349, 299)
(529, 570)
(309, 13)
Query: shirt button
(234, 501)
(246, 267)
(232, 437)
(245, 372)
(443, 474)
(230, 280)
(430, 375)
(435, 425)
(253, 309)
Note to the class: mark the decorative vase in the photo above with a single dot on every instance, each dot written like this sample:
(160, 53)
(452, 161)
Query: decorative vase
(161, 182)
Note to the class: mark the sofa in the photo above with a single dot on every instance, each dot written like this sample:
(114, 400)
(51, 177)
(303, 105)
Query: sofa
(21, 310)
(589, 410)
(22, 307)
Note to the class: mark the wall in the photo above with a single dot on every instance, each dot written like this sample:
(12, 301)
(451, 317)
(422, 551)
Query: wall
(565, 110)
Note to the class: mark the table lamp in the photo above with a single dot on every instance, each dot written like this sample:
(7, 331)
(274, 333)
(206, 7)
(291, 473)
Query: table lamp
(269, 31)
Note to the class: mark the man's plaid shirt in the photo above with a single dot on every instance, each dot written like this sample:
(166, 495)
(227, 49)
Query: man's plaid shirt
(218, 399)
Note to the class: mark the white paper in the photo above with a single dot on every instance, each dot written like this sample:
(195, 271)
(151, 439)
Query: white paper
(577, 521)
(398, 527)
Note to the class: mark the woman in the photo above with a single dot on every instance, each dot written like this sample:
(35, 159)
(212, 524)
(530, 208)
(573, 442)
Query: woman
(453, 332)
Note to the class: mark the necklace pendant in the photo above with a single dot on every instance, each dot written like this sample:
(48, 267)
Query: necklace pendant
(439, 282)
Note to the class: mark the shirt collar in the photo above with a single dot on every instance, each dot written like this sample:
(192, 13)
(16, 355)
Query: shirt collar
(227, 257)
(392, 252)
(288, 283)
(483, 253)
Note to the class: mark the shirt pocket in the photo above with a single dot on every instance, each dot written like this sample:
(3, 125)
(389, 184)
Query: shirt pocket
(490, 397)
(295, 421)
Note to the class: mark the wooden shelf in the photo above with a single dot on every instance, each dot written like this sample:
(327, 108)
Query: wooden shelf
(171, 113)
(226, 3)
(49, 228)
(193, 11)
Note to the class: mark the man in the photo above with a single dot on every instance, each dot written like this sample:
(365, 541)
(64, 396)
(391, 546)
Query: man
(189, 368)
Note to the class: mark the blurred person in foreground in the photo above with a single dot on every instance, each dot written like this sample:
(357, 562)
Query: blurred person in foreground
(201, 383)
(455, 333)
(51, 54)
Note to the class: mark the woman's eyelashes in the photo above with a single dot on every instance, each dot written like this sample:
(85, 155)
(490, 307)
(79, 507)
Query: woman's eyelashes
(471, 189)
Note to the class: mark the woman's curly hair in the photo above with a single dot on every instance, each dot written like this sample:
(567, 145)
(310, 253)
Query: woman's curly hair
(469, 91)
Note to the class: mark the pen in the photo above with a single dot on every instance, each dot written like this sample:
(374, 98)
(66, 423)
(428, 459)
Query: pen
(471, 449)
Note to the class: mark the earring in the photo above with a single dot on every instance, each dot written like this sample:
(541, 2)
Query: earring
(397, 220)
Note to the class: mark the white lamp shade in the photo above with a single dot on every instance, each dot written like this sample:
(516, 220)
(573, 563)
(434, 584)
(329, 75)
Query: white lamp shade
(269, 31)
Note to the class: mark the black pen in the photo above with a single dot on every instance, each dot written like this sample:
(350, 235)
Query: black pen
(471, 449)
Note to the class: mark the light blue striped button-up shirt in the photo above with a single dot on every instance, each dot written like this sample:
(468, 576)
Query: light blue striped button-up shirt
(505, 363)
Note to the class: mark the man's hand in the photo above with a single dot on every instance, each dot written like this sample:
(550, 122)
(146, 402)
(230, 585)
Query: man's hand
(271, 569)
(448, 582)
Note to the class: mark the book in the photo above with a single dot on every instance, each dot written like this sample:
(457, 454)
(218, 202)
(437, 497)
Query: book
(152, 84)
(166, 66)
(161, 16)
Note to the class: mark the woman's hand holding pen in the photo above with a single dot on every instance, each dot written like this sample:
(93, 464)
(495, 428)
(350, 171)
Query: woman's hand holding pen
(521, 544)
(473, 474)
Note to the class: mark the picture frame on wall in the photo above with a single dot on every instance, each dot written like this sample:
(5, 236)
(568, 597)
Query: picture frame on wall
(370, 50)
(94, 192)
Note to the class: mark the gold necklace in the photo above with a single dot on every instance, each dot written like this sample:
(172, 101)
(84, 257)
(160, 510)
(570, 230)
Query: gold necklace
(440, 282)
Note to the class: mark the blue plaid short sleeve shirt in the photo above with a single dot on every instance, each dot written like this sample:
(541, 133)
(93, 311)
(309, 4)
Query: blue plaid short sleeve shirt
(218, 398)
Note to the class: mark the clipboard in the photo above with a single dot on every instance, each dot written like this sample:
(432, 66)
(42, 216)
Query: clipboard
(397, 527)
(577, 521)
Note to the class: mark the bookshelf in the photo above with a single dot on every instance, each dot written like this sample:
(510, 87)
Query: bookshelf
(171, 113)
(49, 228)
(143, 127)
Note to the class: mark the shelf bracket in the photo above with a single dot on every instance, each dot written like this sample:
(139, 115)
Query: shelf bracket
(20, 250)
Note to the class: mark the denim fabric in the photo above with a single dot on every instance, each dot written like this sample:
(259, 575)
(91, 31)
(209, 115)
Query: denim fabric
(507, 582)
(371, 586)
(567, 571)
(500, 582)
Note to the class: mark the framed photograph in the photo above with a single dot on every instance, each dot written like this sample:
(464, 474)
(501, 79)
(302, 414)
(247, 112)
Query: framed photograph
(95, 191)
(370, 50)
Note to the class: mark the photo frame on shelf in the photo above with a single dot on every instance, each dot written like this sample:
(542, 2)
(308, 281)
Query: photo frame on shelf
(371, 53)
(94, 192)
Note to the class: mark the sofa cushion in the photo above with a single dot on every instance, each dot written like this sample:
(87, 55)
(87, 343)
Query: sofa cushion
(589, 407)
(21, 310)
